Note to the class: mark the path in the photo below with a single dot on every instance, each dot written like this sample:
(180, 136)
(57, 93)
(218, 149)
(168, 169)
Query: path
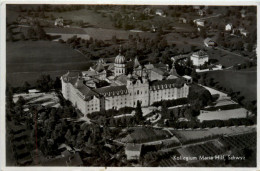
(213, 16)
(224, 50)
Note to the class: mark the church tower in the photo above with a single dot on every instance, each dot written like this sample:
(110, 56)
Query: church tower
(119, 66)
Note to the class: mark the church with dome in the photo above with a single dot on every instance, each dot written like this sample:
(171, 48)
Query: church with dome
(122, 84)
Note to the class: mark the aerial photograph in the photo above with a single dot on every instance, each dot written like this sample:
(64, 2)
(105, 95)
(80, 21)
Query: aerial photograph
(131, 85)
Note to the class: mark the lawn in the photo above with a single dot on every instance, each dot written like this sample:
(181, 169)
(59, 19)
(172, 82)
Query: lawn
(27, 60)
(243, 81)
(224, 58)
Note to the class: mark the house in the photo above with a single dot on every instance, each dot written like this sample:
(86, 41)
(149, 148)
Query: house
(147, 11)
(199, 23)
(22, 20)
(59, 22)
(160, 13)
(34, 91)
(154, 29)
(208, 42)
(243, 32)
(201, 12)
(243, 13)
(133, 151)
(182, 20)
(228, 27)
(188, 79)
(199, 58)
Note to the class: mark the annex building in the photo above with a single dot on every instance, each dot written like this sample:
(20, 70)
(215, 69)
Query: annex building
(121, 84)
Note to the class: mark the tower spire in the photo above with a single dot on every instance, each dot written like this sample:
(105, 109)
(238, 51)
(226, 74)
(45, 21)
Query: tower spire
(120, 49)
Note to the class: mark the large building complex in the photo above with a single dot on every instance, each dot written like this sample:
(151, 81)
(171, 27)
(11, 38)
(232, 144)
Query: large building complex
(121, 84)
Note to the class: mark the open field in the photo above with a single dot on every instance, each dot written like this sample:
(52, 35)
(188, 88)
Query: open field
(243, 81)
(27, 60)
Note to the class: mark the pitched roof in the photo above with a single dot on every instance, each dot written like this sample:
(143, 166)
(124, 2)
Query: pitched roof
(158, 71)
(99, 67)
(136, 63)
(112, 90)
(149, 66)
(200, 53)
(122, 79)
(87, 91)
(133, 147)
(164, 84)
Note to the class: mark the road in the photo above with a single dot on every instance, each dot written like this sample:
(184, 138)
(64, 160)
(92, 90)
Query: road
(228, 51)
(213, 16)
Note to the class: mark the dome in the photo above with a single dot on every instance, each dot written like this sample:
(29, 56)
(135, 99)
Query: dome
(120, 59)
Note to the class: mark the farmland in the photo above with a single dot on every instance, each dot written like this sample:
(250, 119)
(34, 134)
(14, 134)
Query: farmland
(27, 60)
(242, 81)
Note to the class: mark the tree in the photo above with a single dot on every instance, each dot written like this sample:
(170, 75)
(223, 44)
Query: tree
(20, 101)
(114, 39)
(44, 83)
(31, 34)
(194, 75)
(26, 86)
(68, 135)
(41, 34)
(138, 112)
(9, 35)
(57, 84)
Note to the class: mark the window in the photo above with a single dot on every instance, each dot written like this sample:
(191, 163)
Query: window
(137, 91)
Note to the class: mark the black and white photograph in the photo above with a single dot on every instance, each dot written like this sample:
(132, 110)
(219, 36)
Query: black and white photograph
(130, 85)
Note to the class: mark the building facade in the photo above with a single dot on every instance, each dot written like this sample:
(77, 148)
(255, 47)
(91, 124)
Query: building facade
(121, 89)
(199, 58)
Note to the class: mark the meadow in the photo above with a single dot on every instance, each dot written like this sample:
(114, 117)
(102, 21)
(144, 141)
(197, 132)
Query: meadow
(243, 81)
(27, 60)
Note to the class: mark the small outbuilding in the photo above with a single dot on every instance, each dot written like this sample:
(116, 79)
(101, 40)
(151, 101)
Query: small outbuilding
(133, 151)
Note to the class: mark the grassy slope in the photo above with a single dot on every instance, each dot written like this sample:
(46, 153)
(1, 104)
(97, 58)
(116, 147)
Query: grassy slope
(243, 81)
(26, 60)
